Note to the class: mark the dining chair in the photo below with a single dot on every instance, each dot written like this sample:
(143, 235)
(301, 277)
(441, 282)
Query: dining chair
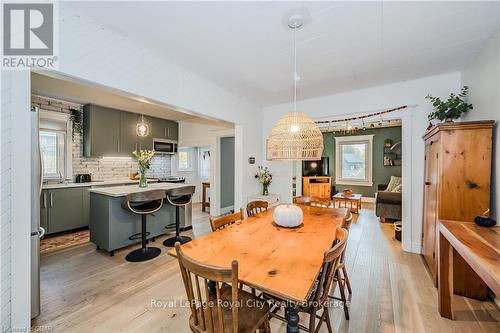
(223, 221)
(256, 207)
(217, 304)
(341, 275)
(312, 201)
(319, 299)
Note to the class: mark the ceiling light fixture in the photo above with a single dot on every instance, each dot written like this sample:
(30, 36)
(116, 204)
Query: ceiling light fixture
(295, 136)
(142, 127)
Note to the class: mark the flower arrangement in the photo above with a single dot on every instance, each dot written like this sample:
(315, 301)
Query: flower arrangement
(450, 109)
(264, 176)
(143, 157)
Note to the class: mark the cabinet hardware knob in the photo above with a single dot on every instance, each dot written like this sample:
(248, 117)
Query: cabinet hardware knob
(427, 183)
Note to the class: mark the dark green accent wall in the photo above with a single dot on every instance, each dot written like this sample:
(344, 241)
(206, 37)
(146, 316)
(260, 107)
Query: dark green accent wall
(381, 174)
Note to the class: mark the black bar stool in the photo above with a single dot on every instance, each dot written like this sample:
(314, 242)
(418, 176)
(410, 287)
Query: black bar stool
(144, 203)
(178, 197)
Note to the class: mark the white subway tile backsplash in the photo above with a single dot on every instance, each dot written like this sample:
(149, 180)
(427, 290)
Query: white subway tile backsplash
(102, 168)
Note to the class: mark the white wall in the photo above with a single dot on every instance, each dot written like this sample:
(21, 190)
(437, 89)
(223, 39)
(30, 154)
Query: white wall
(364, 101)
(15, 197)
(483, 78)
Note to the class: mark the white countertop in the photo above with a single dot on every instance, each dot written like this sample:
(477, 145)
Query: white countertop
(94, 183)
(120, 191)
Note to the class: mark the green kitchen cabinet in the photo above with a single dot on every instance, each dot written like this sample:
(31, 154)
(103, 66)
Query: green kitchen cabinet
(129, 140)
(63, 209)
(165, 129)
(44, 212)
(101, 131)
(159, 128)
(86, 205)
(173, 130)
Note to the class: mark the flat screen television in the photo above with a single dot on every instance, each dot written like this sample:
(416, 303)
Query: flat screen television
(315, 168)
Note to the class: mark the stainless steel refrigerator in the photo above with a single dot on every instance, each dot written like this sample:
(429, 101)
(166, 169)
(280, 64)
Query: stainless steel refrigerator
(37, 231)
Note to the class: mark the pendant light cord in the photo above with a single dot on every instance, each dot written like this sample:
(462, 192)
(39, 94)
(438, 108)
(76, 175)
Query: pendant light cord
(295, 75)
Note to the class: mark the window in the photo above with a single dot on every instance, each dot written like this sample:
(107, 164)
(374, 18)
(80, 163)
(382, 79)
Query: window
(185, 157)
(55, 145)
(353, 162)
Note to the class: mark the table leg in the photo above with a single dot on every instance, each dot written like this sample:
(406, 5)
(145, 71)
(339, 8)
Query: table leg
(292, 319)
(445, 277)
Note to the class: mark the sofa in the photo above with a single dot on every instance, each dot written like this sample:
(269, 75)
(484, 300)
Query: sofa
(387, 204)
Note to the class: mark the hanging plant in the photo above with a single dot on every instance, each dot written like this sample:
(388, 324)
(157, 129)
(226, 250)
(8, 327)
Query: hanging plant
(76, 117)
(450, 109)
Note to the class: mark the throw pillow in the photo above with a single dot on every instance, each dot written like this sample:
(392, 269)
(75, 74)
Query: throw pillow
(398, 189)
(395, 181)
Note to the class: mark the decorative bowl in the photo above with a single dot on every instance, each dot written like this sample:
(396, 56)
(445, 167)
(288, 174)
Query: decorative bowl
(347, 192)
(288, 216)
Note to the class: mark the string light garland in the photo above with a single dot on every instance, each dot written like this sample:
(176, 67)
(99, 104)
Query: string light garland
(363, 117)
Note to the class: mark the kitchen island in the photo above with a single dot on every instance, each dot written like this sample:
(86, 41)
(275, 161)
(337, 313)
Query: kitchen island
(112, 227)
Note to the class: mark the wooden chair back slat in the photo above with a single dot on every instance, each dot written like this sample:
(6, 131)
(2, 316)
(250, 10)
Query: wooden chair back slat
(200, 301)
(220, 315)
(191, 272)
(256, 207)
(312, 201)
(209, 308)
(221, 222)
(331, 260)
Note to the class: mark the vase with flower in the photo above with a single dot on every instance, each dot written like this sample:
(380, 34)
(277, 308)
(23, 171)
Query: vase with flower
(143, 158)
(264, 176)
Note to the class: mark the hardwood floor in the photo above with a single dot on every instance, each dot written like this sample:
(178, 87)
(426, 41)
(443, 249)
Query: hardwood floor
(84, 290)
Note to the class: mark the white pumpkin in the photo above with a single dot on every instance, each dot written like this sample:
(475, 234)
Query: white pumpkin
(288, 216)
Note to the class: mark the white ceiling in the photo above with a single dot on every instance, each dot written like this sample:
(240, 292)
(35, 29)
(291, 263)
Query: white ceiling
(246, 48)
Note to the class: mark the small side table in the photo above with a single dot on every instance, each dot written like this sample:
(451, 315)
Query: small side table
(205, 201)
(354, 202)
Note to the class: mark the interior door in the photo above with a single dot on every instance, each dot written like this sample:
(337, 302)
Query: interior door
(430, 204)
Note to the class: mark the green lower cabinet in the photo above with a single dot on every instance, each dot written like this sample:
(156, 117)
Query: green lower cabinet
(44, 211)
(64, 209)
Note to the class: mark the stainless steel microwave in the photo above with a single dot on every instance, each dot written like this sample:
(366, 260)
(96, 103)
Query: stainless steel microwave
(163, 146)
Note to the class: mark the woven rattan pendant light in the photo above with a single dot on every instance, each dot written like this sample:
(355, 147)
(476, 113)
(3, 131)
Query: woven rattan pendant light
(295, 136)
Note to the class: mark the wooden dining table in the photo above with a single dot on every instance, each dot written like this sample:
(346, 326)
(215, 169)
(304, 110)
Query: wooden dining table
(282, 262)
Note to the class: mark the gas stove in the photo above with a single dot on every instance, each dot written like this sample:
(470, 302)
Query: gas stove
(172, 179)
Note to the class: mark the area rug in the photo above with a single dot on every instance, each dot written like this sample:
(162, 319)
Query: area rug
(60, 242)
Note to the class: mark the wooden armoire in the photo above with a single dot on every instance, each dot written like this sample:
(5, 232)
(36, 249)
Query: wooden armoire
(457, 187)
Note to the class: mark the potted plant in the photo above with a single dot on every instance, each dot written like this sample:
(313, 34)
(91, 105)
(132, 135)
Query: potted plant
(144, 159)
(264, 176)
(450, 109)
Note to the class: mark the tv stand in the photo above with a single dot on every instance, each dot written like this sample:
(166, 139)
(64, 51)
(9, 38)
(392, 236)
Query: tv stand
(319, 186)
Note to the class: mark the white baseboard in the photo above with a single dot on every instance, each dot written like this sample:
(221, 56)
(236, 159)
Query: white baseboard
(416, 248)
(368, 199)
